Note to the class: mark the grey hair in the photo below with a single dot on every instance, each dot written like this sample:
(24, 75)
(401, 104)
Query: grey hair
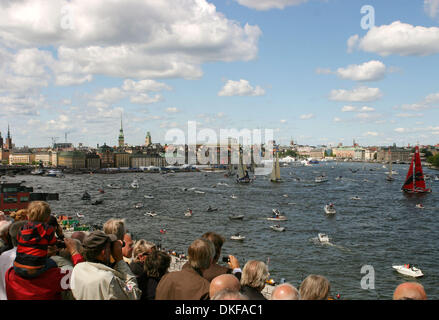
(142, 246)
(254, 274)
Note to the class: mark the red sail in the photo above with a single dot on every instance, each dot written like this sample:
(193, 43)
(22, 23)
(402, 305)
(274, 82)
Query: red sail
(415, 183)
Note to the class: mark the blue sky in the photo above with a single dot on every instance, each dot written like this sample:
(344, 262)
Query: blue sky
(305, 69)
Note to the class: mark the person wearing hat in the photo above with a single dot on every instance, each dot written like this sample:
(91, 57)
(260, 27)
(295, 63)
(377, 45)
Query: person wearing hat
(95, 279)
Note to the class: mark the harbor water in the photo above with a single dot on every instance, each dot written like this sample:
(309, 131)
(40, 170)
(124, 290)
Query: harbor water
(381, 229)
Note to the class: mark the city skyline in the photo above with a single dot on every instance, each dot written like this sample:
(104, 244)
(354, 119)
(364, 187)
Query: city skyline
(316, 72)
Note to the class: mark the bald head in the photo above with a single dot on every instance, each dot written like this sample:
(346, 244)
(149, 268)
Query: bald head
(409, 291)
(224, 281)
(285, 291)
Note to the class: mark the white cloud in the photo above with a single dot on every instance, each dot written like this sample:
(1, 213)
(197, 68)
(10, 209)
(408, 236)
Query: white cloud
(429, 102)
(269, 4)
(21, 105)
(144, 98)
(136, 39)
(172, 110)
(369, 71)
(283, 121)
(336, 119)
(307, 116)
(410, 115)
(371, 133)
(398, 38)
(431, 7)
(144, 85)
(348, 109)
(240, 88)
(367, 109)
(361, 94)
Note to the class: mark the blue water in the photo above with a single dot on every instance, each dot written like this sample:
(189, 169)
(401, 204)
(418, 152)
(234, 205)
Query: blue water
(381, 229)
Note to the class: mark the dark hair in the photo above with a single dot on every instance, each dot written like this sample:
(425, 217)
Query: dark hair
(217, 241)
(156, 264)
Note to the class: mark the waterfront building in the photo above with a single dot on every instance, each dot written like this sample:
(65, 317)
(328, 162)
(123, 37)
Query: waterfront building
(21, 157)
(92, 161)
(359, 154)
(54, 158)
(344, 153)
(396, 155)
(370, 154)
(122, 159)
(44, 157)
(71, 159)
(317, 153)
(145, 160)
(106, 154)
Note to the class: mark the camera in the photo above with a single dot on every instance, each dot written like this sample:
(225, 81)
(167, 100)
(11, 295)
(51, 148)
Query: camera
(60, 244)
(226, 259)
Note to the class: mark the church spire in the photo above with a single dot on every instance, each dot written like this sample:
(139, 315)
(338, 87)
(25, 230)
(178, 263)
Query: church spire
(121, 139)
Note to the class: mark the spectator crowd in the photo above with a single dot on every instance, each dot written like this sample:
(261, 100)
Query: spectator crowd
(39, 262)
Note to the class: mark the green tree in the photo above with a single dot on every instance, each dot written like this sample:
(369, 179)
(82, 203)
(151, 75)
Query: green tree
(434, 160)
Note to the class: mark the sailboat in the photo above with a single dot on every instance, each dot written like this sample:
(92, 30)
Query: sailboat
(414, 182)
(389, 176)
(242, 176)
(275, 173)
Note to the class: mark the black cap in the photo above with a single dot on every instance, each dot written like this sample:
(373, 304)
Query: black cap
(97, 239)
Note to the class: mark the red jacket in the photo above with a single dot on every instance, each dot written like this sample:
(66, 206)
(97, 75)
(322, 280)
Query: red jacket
(47, 286)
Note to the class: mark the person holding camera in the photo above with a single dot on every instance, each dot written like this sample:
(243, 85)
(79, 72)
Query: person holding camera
(34, 276)
(95, 279)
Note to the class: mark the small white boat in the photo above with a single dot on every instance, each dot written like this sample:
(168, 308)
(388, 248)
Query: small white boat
(355, 198)
(148, 196)
(339, 178)
(113, 186)
(278, 218)
(320, 179)
(188, 213)
(200, 192)
(408, 270)
(436, 178)
(285, 196)
(277, 228)
(420, 206)
(151, 214)
(135, 184)
(236, 217)
(330, 209)
(237, 237)
(233, 196)
(138, 205)
(393, 172)
(79, 215)
(323, 238)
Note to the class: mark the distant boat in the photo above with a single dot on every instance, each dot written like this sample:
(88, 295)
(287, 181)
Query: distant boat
(323, 238)
(414, 182)
(135, 184)
(408, 270)
(237, 237)
(277, 228)
(200, 192)
(236, 217)
(210, 209)
(148, 196)
(242, 176)
(79, 215)
(54, 173)
(320, 179)
(330, 209)
(188, 213)
(275, 173)
(113, 186)
(277, 216)
(138, 205)
(151, 214)
(37, 172)
(85, 196)
(355, 198)
(233, 196)
(420, 206)
(96, 202)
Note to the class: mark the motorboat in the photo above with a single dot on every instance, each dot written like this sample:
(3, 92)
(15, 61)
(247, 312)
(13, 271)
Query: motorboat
(277, 228)
(148, 196)
(233, 196)
(237, 237)
(138, 205)
(236, 217)
(339, 178)
(85, 196)
(151, 214)
(285, 196)
(320, 179)
(210, 209)
(135, 184)
(408, 270)
(79, 215)
(188, 213)
(96, 202)
(420, 206)
(54, 173)
(200, 192)
(37, 172)
(355, 198)
(113, 186)
(330, 209)
(323, 238)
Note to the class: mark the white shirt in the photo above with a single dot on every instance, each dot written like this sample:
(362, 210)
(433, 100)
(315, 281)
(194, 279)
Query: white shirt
(6, 260)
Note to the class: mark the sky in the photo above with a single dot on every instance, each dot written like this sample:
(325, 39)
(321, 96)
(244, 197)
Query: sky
(319, 72)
